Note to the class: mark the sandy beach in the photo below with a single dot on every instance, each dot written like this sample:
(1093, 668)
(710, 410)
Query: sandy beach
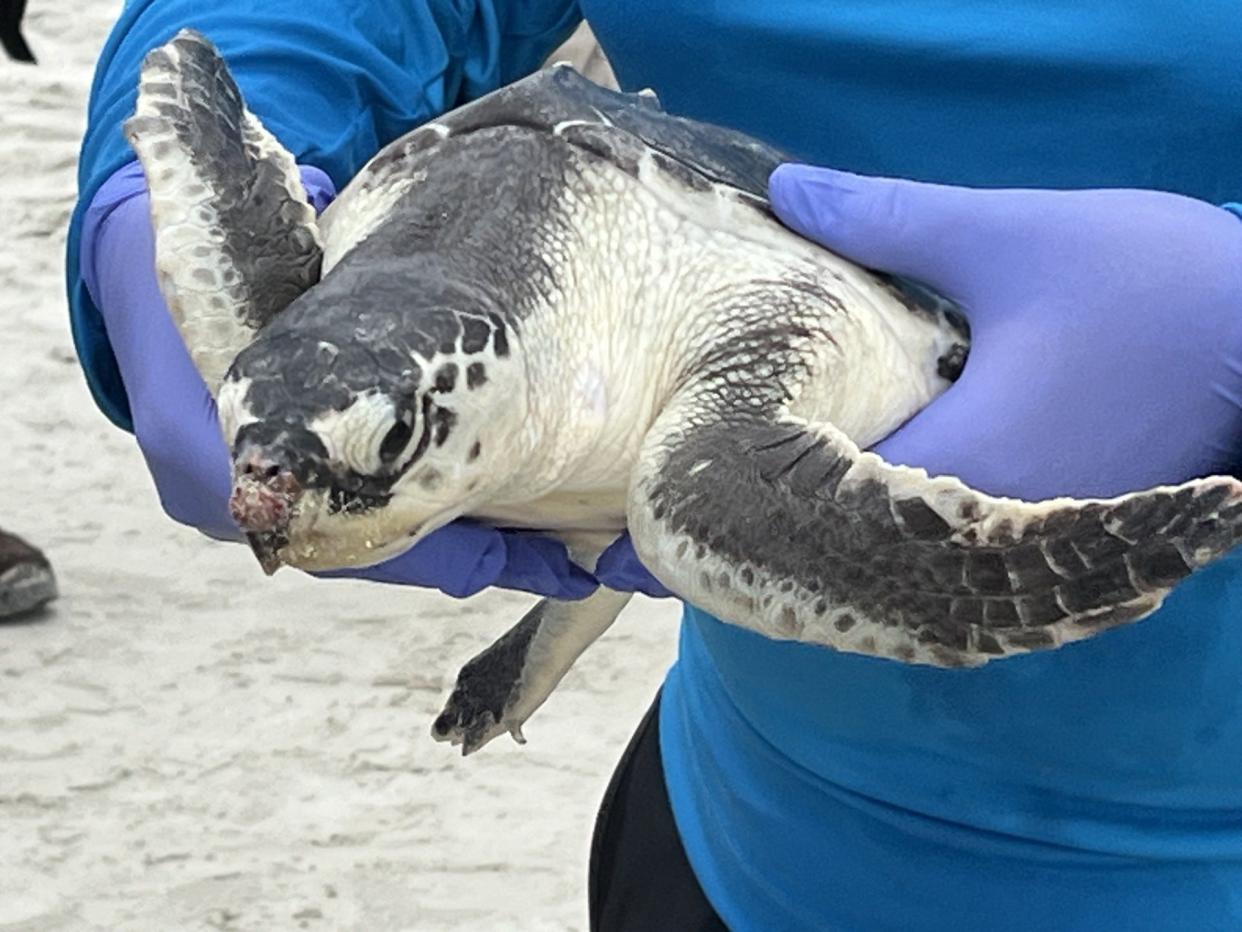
(185, 744)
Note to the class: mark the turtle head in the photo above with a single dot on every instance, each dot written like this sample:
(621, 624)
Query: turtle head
(347, 457)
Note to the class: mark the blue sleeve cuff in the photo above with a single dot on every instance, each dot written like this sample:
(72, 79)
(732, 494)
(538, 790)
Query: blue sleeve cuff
(334, 81)
(1234, 208)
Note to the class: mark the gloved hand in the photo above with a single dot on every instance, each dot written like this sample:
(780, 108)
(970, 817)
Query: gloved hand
(1106, 330)
(177, 430)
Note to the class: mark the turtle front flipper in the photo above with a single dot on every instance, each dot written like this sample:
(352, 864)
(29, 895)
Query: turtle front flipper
(498, 690)
(788, 529)
(235, 236)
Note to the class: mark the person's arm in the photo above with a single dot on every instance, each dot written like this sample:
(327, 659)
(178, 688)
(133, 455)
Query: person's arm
(333, 80)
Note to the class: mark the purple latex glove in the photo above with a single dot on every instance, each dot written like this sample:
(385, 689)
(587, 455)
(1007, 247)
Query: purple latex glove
(177, 430)
(1106, 331)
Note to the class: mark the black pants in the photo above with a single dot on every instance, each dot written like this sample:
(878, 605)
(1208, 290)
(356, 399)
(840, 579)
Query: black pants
(15, 46)
(640, 880)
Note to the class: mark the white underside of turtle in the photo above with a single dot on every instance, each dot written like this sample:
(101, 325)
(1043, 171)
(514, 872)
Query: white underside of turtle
(560, 308)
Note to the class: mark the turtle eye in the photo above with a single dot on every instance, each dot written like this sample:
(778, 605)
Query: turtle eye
(396, 440)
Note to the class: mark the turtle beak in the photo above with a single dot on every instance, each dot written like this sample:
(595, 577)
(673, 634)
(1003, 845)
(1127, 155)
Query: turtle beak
(266, 547)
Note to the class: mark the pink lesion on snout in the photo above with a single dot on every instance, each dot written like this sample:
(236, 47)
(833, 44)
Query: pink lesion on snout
(264, 493)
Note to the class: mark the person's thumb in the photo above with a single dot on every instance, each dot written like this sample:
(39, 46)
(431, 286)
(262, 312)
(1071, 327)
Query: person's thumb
(938, 235)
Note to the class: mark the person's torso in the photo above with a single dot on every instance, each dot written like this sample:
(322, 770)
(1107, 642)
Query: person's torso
(1096, 787)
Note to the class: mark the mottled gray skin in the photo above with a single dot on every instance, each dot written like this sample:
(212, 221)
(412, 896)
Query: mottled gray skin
(453, 264)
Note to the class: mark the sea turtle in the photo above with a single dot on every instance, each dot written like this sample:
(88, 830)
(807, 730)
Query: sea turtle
(559, 307)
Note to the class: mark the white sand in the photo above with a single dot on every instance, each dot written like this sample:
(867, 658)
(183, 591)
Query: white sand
(185, 744)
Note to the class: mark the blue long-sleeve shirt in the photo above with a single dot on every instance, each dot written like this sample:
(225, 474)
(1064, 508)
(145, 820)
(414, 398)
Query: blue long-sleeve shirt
(1098, 787)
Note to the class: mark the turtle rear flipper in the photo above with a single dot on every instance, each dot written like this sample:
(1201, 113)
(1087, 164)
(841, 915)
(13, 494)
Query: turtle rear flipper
(235, 236)
(787, 528)
(502, 687)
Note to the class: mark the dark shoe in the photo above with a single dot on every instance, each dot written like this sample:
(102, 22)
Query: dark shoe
(26, 578)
